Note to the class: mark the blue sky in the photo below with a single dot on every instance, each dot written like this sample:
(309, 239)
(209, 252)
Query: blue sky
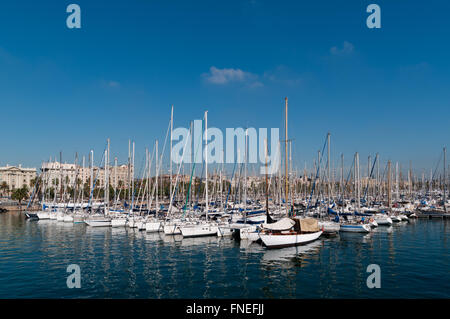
(376, 90)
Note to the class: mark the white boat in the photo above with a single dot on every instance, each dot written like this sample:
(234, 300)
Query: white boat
(152, 226)
(382, 219)
(171, 229)
(290, 232)
(140, 224)
(329, 227)
(249, 233)
(68, 218)
(132, 222)
(373, 223)
(403, 217)
(287, 240)
(60, 216)
(53, 215)
(78, 218)
(98, 221)
(396, 218)
(43, 215)
(224, 231)
(119, 222)
(355, 228)
(199, 230)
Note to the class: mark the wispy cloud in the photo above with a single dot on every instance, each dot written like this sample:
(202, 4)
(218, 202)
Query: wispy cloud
(346, 49)
(225, 76)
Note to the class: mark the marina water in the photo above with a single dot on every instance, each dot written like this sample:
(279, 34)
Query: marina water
(414, 259)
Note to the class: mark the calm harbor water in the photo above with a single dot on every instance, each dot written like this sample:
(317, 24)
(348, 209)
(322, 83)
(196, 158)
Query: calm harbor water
(125, 263)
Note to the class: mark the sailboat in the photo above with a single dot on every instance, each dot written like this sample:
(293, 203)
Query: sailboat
(202, 228)
(289, 231)
(98, 219)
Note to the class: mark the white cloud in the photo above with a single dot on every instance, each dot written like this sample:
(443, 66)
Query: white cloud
(225, 76)
(346, 49)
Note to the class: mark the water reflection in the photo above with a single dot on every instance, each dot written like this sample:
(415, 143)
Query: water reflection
(291, 254)
(126, 263)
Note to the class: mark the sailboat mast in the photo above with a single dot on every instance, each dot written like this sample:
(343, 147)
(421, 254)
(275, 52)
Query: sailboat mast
(132, 179)
(115, 181)
(206, 163)
(82, 183)
(170, 155)
(156, 177)
(245, 174)
(286, 156)
(107, 179)
(445, 178)
(389, 185)
(129, 171)
(328, 169)
(267, 182)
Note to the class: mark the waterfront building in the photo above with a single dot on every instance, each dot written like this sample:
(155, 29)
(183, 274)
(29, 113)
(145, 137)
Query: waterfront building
(17, 176)
(54, 171)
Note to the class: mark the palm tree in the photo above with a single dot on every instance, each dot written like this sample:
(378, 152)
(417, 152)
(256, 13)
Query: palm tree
(4, 188)
(20, 194)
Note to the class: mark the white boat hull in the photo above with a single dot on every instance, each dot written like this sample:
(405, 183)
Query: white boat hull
(118, 222)
(280, 241)
(43, 215)
(68, 219)
(383, 220)
(140, 225)
(98, 223)
(224, 231)
(198, 230)
(249, 233)
(172, 229)
(152, 227)
(396, 219)
(363, 228)
(329, 227)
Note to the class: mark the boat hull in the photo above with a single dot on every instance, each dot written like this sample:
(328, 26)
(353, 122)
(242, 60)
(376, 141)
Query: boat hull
(172, 229)
(383, 220)
(280, 241)
(98, 223)
(152, 227)
(118, 222)
(224, 231)
(43, 215)
(249, 233)
(355, 228)
(198, 230)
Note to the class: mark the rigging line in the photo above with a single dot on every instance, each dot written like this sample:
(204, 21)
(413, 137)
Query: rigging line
(190, 180)
(91, 195)
(317, 174)
(368, 178)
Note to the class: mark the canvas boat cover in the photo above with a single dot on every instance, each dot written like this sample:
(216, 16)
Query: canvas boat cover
(283, 224)
(309, 225)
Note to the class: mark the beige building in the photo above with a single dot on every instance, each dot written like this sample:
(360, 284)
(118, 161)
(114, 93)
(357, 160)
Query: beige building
(53, 171)
(17, 176)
